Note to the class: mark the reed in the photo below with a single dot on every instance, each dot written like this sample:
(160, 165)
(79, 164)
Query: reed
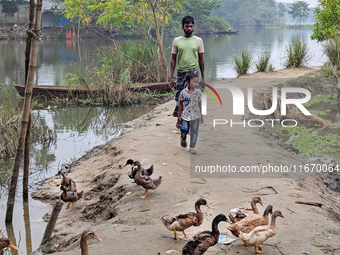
(262, 64)
(332, 49)
(297, 54)
(243, 63)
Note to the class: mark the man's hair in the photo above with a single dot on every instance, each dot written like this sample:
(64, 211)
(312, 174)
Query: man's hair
(190, 75)
(188, 20)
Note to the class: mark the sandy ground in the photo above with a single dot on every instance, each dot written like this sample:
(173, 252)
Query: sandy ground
(128, 224)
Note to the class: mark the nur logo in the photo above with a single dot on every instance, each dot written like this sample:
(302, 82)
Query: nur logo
(204, 98)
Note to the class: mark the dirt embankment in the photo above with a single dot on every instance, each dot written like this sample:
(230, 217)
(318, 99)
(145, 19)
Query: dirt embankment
(112, 206)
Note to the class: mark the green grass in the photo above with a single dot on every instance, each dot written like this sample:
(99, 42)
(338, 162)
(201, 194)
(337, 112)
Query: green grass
(297, 54)
(243, 63)
(262, 64)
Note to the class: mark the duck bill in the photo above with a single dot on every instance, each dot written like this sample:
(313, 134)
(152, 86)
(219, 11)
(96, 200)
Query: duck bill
(207, 205)
(262, 202)
(11, 245)
(97, 238)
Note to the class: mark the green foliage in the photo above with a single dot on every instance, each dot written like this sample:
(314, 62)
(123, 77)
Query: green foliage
(326, 70)
(332, 50)
(308, 143)
(114, 72)
(297, 55)
(327, 20)
(243, 63)
(299, 9)
(263, 63)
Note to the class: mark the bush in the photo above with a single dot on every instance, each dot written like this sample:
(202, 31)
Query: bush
(243, 63)
(297, 55)
(332, 50)
(263, 63)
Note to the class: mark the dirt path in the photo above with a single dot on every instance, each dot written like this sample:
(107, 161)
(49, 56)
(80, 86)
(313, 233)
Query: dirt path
(129, 225)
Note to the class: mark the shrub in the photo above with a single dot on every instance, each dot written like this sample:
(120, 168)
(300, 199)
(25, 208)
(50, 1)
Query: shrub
(243, 63)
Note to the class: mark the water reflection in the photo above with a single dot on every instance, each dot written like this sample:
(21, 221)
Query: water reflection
(27, 228)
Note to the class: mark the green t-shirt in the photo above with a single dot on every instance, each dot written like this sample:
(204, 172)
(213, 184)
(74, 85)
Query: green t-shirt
(187, 49)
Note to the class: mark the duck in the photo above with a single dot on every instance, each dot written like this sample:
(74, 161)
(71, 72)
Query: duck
(250, 222)
(146, 182)
(237, 214)
(70, 196)
(5, 242)
(261, 233)
(87, 235)
(68, 183)
(133, 171)
(183, 221)
(200, 243)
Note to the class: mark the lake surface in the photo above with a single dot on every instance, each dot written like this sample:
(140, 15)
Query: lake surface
(80, 129)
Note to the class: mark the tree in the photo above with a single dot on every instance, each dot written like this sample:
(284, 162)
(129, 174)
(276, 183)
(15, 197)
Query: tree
(327, 20)
(281, 10)
(299, 9)
(148, 15)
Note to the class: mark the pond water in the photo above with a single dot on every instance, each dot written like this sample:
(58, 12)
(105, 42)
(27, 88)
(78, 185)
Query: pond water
(80, 129)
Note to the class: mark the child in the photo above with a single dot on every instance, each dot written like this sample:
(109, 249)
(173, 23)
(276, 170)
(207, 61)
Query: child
(189, 111)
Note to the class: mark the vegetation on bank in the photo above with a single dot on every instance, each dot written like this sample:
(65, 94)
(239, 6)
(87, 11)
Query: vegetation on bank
(114, 70)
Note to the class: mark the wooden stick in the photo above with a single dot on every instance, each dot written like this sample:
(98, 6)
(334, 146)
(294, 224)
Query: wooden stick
(58, 205)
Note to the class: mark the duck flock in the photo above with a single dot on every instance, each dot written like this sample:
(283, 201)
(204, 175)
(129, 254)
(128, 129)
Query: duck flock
(246, 223)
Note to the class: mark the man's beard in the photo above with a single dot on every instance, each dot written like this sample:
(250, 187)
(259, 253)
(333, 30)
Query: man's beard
(188, 32)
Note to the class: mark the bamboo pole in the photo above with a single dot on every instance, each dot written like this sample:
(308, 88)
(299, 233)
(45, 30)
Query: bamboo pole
(25, 115)
(58, 205)
(28, 133)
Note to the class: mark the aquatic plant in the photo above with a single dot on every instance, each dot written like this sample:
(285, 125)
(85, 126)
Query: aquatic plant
(297, 54)
(263, 63)
(243, 63)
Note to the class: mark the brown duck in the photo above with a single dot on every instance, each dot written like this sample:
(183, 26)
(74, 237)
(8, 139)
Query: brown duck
(261, 233)
(146, 182)
(183, 221)
(87, 235)
(201, 242)
(5, 242)
(133, 171)
(70, 196)
(240, 213)
(249, 223)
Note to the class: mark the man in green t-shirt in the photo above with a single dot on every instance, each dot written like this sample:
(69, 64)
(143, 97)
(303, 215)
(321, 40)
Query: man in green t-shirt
(187, 51)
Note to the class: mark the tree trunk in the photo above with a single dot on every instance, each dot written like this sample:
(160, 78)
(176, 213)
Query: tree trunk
(161, 59)
(25, 117)
(28, 133)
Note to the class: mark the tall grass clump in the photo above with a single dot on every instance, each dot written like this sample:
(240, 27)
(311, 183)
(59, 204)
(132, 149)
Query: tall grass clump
(243, 63)
(297, 55)
(263, 63)
(332, 50)
(115, 69)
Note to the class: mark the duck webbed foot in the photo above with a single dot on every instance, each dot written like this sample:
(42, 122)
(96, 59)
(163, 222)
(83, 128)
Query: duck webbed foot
(145, 193)
(71, 207)
(258, 247)
(176, 237)
(185, 235)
